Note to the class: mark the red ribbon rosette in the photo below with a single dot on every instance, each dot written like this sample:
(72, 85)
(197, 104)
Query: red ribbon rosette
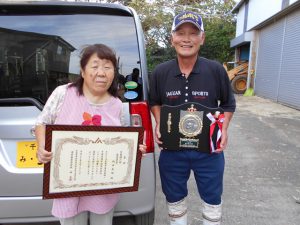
(215, 130)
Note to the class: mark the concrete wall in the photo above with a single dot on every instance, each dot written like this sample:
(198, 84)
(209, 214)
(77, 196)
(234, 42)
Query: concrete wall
(260, 10)
(240, 21)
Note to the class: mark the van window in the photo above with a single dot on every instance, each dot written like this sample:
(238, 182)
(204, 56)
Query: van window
(42, 51)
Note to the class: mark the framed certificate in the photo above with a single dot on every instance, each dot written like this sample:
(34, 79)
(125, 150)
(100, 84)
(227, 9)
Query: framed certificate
(91, 160)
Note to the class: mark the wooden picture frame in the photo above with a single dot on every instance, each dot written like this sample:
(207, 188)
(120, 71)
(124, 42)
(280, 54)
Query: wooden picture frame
(91, 160)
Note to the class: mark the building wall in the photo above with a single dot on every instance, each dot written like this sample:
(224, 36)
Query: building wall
(274, 48)
(240, 21)
(293, 1)
(260, 10)
(277, 68)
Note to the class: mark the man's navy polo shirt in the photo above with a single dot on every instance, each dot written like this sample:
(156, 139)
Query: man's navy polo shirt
(208, 84)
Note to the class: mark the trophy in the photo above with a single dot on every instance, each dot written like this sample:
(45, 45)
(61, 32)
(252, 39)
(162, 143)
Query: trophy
(191, 126)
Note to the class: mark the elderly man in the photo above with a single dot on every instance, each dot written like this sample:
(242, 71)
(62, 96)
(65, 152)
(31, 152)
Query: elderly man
(190, 78)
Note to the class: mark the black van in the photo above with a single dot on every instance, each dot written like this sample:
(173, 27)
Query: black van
(39, 48)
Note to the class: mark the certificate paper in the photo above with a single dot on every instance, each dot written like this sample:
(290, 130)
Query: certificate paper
(90, 160)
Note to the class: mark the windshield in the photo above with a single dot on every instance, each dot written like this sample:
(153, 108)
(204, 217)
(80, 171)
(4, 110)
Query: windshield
(40, 52)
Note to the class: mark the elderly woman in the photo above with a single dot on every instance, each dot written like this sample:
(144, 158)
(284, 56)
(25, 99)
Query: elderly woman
(93, 94)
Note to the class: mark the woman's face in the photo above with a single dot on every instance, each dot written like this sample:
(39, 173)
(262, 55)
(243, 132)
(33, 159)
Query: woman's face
(98, 75)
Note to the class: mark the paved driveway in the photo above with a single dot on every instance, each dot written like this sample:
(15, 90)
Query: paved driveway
(262, 176)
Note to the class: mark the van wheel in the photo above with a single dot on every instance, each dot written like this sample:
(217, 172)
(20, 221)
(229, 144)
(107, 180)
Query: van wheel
(239, 84)
(145, 219)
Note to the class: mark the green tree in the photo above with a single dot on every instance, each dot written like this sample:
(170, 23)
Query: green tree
(157, 15)
(217, 40)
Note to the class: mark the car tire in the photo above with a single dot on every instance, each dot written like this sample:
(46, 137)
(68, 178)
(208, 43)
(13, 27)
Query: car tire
(145, 219)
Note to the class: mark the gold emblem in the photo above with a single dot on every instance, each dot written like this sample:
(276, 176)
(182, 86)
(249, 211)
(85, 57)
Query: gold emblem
(190, 124)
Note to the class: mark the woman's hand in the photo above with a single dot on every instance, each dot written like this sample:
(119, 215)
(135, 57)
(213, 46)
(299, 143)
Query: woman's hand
(43, 155)
(143, 149)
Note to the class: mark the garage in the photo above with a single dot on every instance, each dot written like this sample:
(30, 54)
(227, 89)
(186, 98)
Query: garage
(278, 61)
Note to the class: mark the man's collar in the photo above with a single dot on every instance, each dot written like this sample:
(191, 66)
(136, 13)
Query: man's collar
(196, 68)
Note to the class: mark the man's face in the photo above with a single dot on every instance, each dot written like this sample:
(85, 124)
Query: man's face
(187, 40)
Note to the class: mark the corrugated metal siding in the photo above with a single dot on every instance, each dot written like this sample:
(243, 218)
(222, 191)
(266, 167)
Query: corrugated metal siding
(289, 84)
(268, 60)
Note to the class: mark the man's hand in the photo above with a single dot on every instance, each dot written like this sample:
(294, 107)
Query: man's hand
(224, 140)
(157, 135)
